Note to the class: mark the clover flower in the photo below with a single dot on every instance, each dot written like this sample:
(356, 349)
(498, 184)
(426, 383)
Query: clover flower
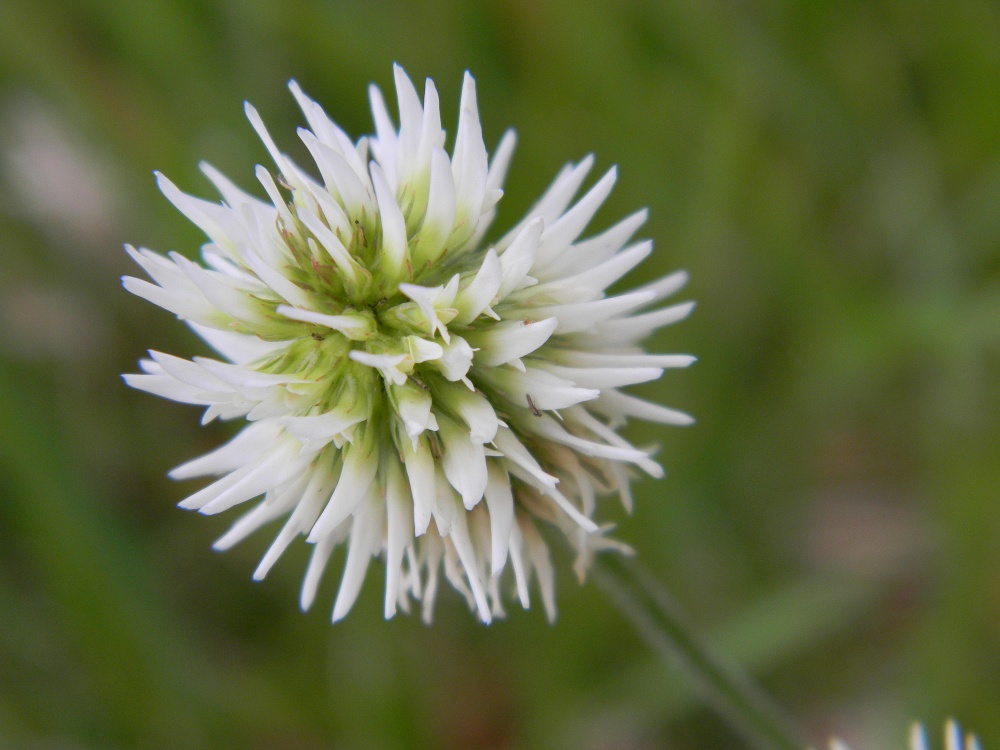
(410, 390)
(953, 739)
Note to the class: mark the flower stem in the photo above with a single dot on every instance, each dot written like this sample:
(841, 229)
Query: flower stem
(659, 621)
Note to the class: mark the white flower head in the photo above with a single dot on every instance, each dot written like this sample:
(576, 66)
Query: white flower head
(411, 391)
(953, 739)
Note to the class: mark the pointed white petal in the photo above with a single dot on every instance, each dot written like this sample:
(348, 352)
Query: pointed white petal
(363, 543)
(419, 465)
(464, 462)
(277, 503)
(585, 315)
(463, 545)
(356, 478)
(439, 219)
(555, 200)
(510, 340)
(518, 259)
(637, 327)
(384, 145)
(500, 161)
(479, 294)
(321, 484)
(619, 405)
(245, 448)
(393, 245)
(500, 501)
(399, 532)
(469, 165)
(353, 326)
(538, 551)
(568, 227)
(239, 348)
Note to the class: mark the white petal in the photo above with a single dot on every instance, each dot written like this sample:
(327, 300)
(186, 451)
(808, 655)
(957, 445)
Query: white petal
(353, 326)
(411, 117)
(431, 135)
(387, 364)
(317, 564)
(536, 388)
(185, 307)
(239, 304)
(464, 462)
(363, 544)
(555, 200)
(393, 246)
(432, 550)
(509, 340)
(475, 409)
(168, 387)
(561, 501)
(216, 221)
(518, 259)
(549, 428)
(500, 501)
(339, 175)
(282, 286)
(272, 149)
(538, 551)
(331, 243)
(246, 447)
(518, 562)
(321, 484)
(463, 545)
(422, 350)
(469, 165)
(439, 219)
(595, 280)
(456, 360)
(277, 503)
(239, 348)
(414, 406)
(419, 465)
(242, 377)
(322, 125)
(568, 227)
(317, 431)
(666, 286)
(604, 377)
(637, 327)
(247, 482)
(479, 294)
(267, 182)
(517, 454)
(619, 405)
(192, 373)
(399, 531)
(500, 161)
(430, 300)
(384, 145)
(585, 315)
(596, 249)
(602, 360)
(356, 478)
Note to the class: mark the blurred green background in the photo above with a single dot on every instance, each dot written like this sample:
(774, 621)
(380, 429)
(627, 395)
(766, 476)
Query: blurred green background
(829, 173)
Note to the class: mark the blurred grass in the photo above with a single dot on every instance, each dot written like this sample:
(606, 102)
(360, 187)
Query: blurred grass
(829, 173)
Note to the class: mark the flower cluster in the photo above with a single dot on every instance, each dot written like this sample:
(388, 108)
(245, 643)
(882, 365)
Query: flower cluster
(411, 391)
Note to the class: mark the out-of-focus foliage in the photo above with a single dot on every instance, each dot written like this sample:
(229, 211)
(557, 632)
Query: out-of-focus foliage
(828, 171)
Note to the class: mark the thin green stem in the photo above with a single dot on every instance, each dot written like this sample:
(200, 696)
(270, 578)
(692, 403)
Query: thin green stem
(659, 621)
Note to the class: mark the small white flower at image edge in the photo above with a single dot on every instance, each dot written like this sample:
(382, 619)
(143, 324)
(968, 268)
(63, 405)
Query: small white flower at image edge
(953, 739)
